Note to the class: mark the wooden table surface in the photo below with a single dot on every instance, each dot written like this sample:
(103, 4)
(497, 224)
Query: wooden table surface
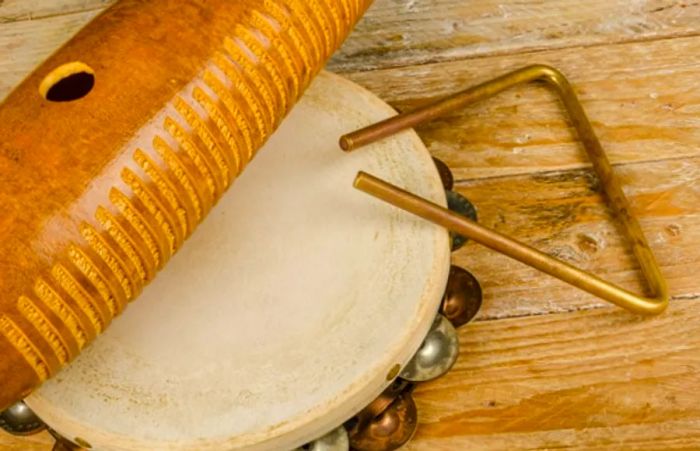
(544, 366)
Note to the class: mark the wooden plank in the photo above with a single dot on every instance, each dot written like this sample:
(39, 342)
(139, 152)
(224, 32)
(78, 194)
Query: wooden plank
(399, 33)
(14, 10)
(563, 214)
(600, 379)
(39, 442)
(642, 98)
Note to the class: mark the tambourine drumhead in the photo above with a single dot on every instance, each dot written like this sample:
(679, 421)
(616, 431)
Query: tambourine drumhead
(287, 310)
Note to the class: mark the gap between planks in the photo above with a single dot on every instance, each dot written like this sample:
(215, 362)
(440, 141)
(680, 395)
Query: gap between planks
(401, 33)
(554, 172)
(335, 66)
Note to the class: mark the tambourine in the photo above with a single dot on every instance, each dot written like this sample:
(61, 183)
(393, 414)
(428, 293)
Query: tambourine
(301, 312)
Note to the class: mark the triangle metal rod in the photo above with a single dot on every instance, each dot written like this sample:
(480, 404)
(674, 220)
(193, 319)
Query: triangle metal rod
(499, 242)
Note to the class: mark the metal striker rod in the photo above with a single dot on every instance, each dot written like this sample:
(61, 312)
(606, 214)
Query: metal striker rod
(505, 245)
(501, 243)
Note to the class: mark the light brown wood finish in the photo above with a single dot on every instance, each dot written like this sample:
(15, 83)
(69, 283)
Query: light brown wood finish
(641, 98)
(545, 366)
(404, 32)
(599, 379)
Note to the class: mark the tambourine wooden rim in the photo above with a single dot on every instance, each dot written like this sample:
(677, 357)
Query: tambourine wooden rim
(357, 107)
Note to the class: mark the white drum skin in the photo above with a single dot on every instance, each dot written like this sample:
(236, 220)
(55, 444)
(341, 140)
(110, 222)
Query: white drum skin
(290, 308)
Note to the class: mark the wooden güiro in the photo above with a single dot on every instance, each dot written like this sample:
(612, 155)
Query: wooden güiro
(116, 148)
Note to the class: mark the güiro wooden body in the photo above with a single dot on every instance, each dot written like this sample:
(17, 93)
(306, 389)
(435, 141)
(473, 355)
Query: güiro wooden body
(118, 146)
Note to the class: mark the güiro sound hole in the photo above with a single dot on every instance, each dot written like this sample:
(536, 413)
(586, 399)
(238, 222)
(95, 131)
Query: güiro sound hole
(68, 82)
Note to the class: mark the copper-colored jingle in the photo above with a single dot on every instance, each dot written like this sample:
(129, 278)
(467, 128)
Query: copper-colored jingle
(390, 430)
(463, 297)
(445, 173)
(379, 405)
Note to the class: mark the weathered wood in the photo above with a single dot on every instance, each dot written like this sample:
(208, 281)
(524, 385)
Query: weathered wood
(39, 442)
(16, 10)
(563, 214)
(600, 379)
(408, 32)
(641, 98)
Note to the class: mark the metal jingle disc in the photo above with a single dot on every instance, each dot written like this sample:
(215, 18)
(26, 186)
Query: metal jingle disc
(19, 419)
(436, 355)
(459, 204)
(380, 404)
(463, 297)
(336, 440)
(391, 429)
(63, 444)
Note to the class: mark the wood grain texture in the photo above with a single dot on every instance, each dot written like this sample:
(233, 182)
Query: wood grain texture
(564, 214)
(642, 99)
(408, 32)
(545, 366)
(39, 442)
(22, 10)
(600, 379)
